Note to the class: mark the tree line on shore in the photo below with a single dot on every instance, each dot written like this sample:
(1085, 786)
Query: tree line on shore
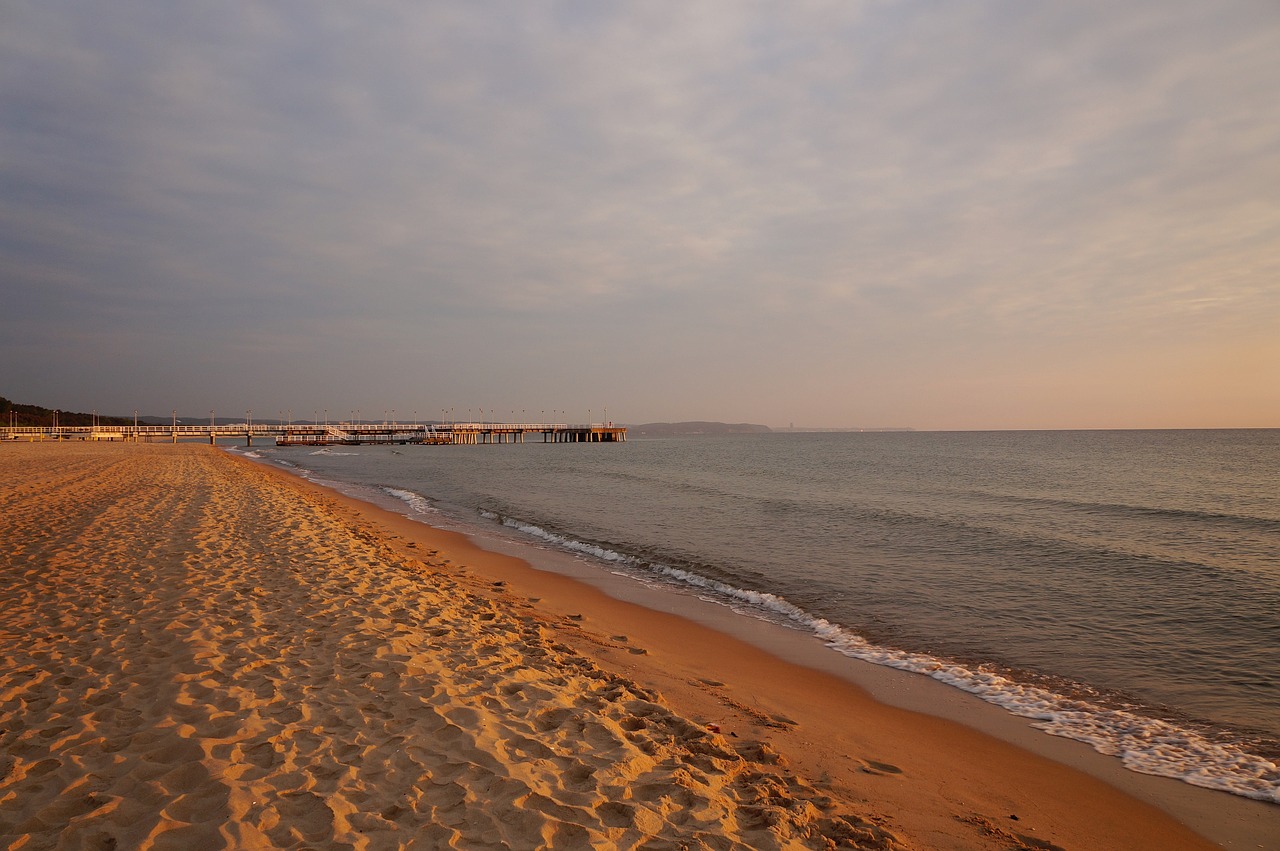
(12, 413)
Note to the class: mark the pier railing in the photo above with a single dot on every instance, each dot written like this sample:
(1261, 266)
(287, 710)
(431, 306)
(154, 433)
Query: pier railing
(325, 434)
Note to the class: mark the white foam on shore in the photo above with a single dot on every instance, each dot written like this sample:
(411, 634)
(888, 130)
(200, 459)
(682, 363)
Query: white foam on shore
(1143, 744)
(562, 542)
(416, 501)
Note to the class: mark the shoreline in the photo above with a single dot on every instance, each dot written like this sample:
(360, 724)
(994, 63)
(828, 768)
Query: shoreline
(1224, 818)
(825, 742)
(1219, 817)
(1228, 819)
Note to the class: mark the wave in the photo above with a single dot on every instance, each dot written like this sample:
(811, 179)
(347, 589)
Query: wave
(259, 455)
(1143, 744)
(593, 550)
(416, 501)
(1250, 522)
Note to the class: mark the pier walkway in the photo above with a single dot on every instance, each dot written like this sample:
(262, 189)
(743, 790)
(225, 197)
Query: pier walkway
(343, 434)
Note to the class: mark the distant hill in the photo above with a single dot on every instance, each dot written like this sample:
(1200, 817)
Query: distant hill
(694, 429)
(34, 415)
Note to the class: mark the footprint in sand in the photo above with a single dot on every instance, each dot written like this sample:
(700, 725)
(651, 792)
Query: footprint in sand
(871, 766)
(305, 814)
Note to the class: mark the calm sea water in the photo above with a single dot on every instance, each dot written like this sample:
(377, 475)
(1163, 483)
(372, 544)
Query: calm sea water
(1122, 588)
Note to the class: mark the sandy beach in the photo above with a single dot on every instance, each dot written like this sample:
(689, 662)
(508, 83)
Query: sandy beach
(200, 652)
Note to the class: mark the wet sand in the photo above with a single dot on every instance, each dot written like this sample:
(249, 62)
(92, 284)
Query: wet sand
(201, 652)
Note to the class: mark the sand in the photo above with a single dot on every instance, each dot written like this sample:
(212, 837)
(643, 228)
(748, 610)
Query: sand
(199, 652)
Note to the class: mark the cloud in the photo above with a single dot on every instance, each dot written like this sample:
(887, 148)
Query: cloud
(827, 181)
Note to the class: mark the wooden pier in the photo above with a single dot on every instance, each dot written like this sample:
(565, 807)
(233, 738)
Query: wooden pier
(341, 434)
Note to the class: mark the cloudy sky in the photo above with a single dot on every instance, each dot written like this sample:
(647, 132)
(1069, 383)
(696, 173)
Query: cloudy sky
(937, 215)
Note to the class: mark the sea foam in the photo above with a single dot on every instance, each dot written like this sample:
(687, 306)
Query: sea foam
(416, 501)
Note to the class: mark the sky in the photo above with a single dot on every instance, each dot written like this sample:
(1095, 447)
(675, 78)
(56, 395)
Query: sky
(848, 214)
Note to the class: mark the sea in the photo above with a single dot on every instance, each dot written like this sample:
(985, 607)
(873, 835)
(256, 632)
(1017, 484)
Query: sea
(1120, 588)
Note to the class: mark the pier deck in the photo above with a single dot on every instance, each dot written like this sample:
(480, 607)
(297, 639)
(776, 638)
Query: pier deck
(342, 434)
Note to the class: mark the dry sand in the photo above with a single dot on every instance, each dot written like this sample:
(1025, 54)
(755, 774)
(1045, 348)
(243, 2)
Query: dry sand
(203, 653)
